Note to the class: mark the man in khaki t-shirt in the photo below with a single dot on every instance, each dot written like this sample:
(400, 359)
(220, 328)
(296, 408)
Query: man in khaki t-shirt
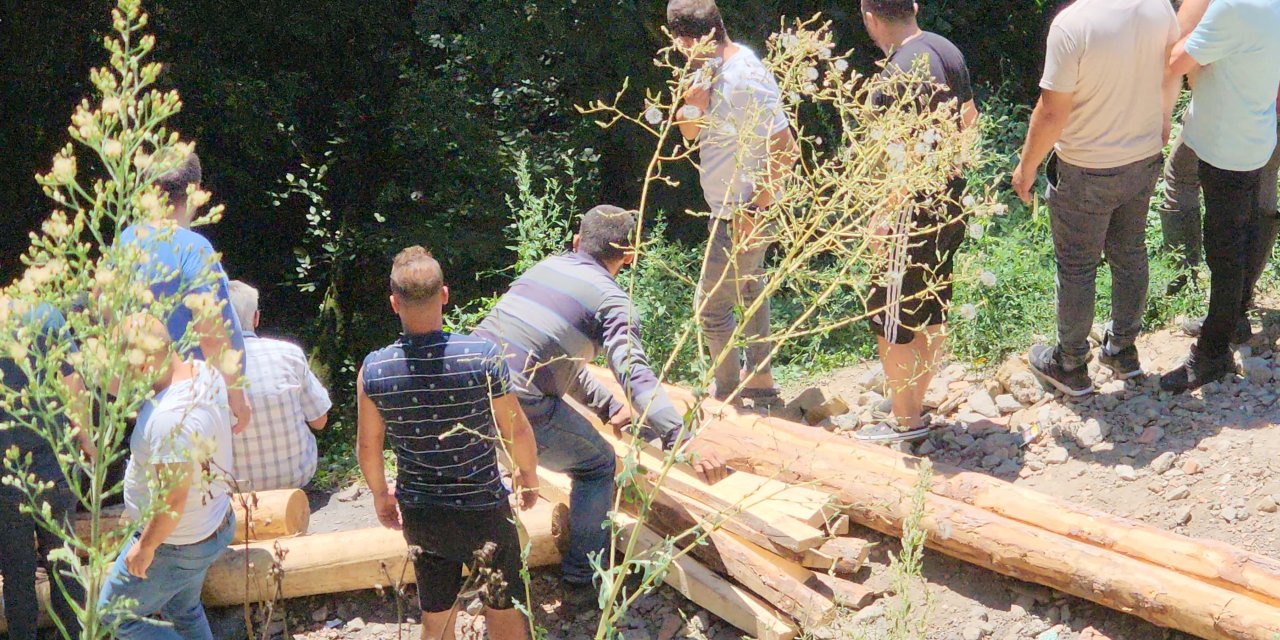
(1102, 113)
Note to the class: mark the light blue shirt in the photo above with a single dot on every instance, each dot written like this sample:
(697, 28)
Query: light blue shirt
(1231, 123)
(182, 263)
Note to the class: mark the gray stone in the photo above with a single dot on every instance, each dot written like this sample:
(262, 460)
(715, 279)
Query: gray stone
(991, 461)
(1006, 403)
(874, 380)
(1178, 493)
(1163, 462)
(349, 494)
(1025, 388)
(981, 403)
(1257, 370)
(925, 448)
(1228, 514)
(816, 404)
(1092, 432)
(936, 394)
(1182, 515)
(355, 624)
(972, 633)
(1056, 455)
(1126, 472)
(1266, 504)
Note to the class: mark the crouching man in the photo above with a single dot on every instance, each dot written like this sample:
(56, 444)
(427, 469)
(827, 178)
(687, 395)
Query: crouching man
(182, 446)
(438, 395)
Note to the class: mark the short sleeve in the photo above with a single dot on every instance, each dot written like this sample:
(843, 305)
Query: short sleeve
(497, 373)
(1217, 36)
(1062, 61)
(315, 398)
(958, 79)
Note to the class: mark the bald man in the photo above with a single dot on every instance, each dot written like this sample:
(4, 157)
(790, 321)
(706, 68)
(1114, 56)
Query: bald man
(182, 443)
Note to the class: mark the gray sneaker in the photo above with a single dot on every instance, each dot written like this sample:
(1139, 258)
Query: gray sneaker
(1046, 364)
(888, 431)
(1124, 364)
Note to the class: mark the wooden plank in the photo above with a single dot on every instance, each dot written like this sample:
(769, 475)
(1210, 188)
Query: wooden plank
(841, 556)
(725, 600)
(805, 504)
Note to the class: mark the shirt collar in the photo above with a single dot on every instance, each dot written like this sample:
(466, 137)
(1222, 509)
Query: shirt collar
(586, 260)
(430, 337)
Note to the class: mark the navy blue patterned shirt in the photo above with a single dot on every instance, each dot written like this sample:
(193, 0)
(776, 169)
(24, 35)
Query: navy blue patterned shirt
(434, 393)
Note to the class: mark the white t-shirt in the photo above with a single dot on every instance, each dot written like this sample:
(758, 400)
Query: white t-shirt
(1111, 56)
(744, 96)
(188, 420)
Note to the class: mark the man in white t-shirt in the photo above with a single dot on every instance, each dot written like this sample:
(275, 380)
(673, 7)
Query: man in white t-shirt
(181, 445)
(745, 146)
(1102, 112)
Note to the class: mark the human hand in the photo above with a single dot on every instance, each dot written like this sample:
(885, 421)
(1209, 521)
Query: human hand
(526, 485)
(620, 420)
(1024, 179)
(699, 97)
(388, 509)
(138, 560)
(707, 462)
(240, 410)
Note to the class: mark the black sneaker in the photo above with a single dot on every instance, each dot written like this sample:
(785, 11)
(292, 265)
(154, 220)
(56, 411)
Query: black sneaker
(1242, 335)
(1046, 363)
(1197, 372)
(1123, 364)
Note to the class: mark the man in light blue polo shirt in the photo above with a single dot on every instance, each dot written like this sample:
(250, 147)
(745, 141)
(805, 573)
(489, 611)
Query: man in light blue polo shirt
(1234, 58)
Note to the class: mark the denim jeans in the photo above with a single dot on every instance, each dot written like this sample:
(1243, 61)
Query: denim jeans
(568, 443)
(1231, 218)
(1097, 213)
(730, 281)
(18, 563)
(1182, 224)
(171, 589)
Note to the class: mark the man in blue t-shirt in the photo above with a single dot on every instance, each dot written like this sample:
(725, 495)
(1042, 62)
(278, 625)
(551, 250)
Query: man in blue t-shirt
(445, 402)
(1231, 125)
(181, 263)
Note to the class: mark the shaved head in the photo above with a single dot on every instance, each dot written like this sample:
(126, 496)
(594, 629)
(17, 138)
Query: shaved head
(416, 277)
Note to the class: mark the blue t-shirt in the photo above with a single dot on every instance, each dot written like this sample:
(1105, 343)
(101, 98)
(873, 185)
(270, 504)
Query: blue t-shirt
(1231, 122)
(182, 263)
(434, 394)
(49, 327)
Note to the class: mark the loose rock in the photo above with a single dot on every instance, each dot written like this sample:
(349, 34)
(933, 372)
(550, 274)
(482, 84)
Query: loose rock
(1126, 472)
(981, 403)
(1163, 462)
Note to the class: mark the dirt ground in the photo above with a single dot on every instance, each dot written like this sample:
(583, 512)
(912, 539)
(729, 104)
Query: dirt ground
(1201, 464)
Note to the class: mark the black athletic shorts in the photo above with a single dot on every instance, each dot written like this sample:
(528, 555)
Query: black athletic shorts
(448, 539)
(926, 259)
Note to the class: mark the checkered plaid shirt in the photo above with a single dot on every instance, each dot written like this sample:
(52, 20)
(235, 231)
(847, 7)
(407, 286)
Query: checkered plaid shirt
(278, 450)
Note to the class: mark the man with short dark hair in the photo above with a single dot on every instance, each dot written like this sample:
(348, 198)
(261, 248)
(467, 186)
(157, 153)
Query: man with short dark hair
(908, 316)
(745, 147)
(1231, 125)
(183, 264)
(1102, 114)
(278, 449)
(556, 318)
(444, 399)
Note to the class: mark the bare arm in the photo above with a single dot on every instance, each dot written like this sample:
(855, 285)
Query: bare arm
(518, 441)
(1190, 13)
(1047, 122)
(371, 434)
(318, 423)
(783, 155)
(164, 522)
(968, 114)
(215, 339)
(1169, 90)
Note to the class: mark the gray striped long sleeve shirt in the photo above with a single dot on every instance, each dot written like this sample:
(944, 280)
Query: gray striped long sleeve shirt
(559, 316)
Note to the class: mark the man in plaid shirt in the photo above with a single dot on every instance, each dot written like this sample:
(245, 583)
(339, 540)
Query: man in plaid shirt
(278, 449)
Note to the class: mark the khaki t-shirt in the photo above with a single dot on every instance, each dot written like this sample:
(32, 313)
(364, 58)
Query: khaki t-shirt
(1111, 55)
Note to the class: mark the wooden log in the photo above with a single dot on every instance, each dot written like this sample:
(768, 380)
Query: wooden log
(276, 514)
(725, 600)
(1216, 562)
(880, 499)
(348, 561)
(840, 556)
(784, 530)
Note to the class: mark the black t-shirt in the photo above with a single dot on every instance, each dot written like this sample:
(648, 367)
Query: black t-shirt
(947, 69)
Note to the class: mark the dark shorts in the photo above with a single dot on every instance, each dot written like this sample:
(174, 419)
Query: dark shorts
(926, 259)
(448, 539)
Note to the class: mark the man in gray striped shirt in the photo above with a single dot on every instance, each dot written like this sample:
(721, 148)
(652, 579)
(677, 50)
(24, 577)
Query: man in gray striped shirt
(558, 316)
